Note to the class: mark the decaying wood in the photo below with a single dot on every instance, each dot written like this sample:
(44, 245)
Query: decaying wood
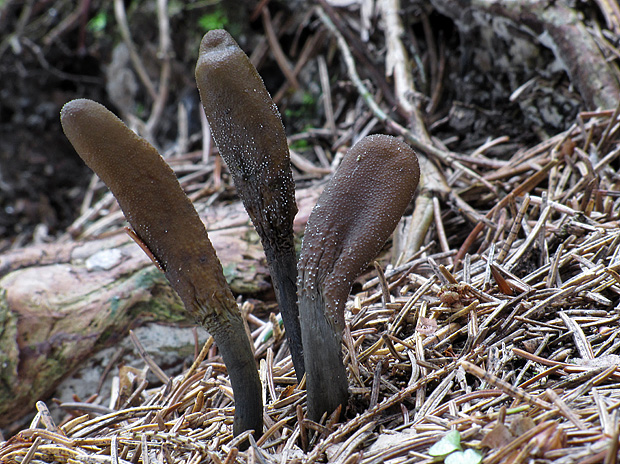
(558, 27)
(502, 326)
(60, 302)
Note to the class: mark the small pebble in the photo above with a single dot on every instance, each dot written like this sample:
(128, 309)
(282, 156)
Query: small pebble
(104, 260)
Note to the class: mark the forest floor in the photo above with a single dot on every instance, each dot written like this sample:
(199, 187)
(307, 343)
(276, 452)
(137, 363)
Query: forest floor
(487, 332)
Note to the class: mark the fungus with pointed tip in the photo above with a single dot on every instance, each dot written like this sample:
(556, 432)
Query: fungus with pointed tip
(354, 216)
(166, 223)
(249, 134)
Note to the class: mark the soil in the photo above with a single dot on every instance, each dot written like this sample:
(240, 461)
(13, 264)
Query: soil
(43, 182)
(477, 79)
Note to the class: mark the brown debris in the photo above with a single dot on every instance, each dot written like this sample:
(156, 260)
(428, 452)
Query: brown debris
(497, 317)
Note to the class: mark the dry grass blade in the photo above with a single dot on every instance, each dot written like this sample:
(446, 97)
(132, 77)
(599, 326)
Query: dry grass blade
(500, 313)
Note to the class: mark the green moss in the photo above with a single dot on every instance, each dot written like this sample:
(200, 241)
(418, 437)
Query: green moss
(230, 272)
(115, 303)
(9, 354)
(166, 308)
(98, 23)
(300, 145)
(304, 109)
(149, 277)
(217, 19)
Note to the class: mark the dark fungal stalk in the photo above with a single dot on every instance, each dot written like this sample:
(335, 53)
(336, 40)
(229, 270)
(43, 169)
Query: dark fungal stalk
(354, 216)
(165, 221)
(249, 134)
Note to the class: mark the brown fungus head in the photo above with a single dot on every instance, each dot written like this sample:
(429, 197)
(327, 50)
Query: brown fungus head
(354, 216)
(147, 190)
(166, 223)
(249, 134)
